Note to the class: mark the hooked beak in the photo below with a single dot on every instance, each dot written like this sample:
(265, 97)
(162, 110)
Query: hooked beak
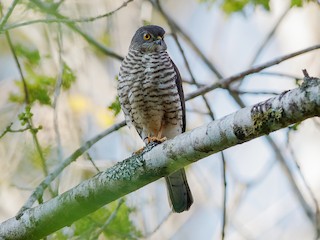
(159, 41)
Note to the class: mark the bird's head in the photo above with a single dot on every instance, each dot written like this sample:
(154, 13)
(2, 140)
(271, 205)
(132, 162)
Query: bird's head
(149, 39)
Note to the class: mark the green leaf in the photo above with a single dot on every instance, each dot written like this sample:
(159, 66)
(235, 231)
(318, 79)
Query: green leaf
(29, 55)
(295, 126)
(121, 227)
(115, 106)
(68, 77)
(25, 116)
(299, 3)
(263, 3)
(296, 3)
(40, 87)
(232, 6)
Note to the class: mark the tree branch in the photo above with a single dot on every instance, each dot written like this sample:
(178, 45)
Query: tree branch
(65, 20)
(227, 81)
(38, 192)
(155, 162)
(5, 18)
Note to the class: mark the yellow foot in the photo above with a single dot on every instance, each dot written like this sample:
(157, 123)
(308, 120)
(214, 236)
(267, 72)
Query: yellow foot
(156, 139)
(139, 151)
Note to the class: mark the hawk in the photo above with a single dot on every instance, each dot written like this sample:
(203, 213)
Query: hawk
(151, 96)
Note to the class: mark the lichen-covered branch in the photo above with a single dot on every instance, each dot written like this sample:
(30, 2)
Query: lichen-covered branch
(155, 162)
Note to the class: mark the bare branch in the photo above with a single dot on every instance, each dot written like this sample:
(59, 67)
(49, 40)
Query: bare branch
(313, 197)
(227, 81)
(74, 27)
(148, 235)
(171, 22)
(30, 124)
(270, 35)
(5, 18)
(224, 207)
(38, 192)
(66, 20)
(10, 130)
(56, 95)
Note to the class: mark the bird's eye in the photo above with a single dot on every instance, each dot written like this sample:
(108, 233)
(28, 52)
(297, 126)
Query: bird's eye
(146, 36)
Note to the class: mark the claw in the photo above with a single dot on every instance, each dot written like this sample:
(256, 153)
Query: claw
(139, 151)
(156, 139)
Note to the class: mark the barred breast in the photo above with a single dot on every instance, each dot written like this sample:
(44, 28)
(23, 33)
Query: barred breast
(149, 95)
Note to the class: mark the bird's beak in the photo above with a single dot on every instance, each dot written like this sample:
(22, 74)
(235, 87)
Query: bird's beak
(159, 40)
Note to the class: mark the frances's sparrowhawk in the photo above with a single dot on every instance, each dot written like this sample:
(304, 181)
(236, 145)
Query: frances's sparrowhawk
(151, 96)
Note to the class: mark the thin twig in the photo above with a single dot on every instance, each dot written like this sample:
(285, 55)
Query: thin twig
(314, 199)
(270, 35)
(30, 124)
(305, 73)
(56, 95)
(23, 80)
(284, 75)
(66, 20)
(266, 41)
(187, 38)
(227, 81)
(255, 92)
(192, 83)
(148, 235)
(291, 179)
(38, 192)
(224, 207)
(10, 130)
(106, 224)
(92, 162)
(5, 18)
(206, 102)
(73, 26)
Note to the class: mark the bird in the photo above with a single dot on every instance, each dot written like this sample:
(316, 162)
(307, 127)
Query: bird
(152, 100)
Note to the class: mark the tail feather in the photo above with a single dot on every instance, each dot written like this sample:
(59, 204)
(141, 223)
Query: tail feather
(179, 192)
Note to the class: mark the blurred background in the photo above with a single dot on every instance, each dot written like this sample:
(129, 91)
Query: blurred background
(69, 53)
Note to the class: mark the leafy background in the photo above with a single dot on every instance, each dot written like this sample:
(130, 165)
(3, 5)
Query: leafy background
(65, 93)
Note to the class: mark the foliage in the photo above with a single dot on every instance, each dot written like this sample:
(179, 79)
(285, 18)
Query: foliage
(68, 77)
(24, 117)
(120, 227)
(232, 6)
(115, 106)
(294, 127)
(299, 3)
(40, 87)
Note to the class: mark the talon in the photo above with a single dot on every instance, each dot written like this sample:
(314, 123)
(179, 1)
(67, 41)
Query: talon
(139, 151)
(156, 139)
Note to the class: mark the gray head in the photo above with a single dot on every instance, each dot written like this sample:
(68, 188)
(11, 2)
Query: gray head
(149, 39)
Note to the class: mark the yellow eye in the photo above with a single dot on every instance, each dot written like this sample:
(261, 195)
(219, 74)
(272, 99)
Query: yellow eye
(146, 36)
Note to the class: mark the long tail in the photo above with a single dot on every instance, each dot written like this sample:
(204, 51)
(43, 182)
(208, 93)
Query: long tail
(179, 191)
